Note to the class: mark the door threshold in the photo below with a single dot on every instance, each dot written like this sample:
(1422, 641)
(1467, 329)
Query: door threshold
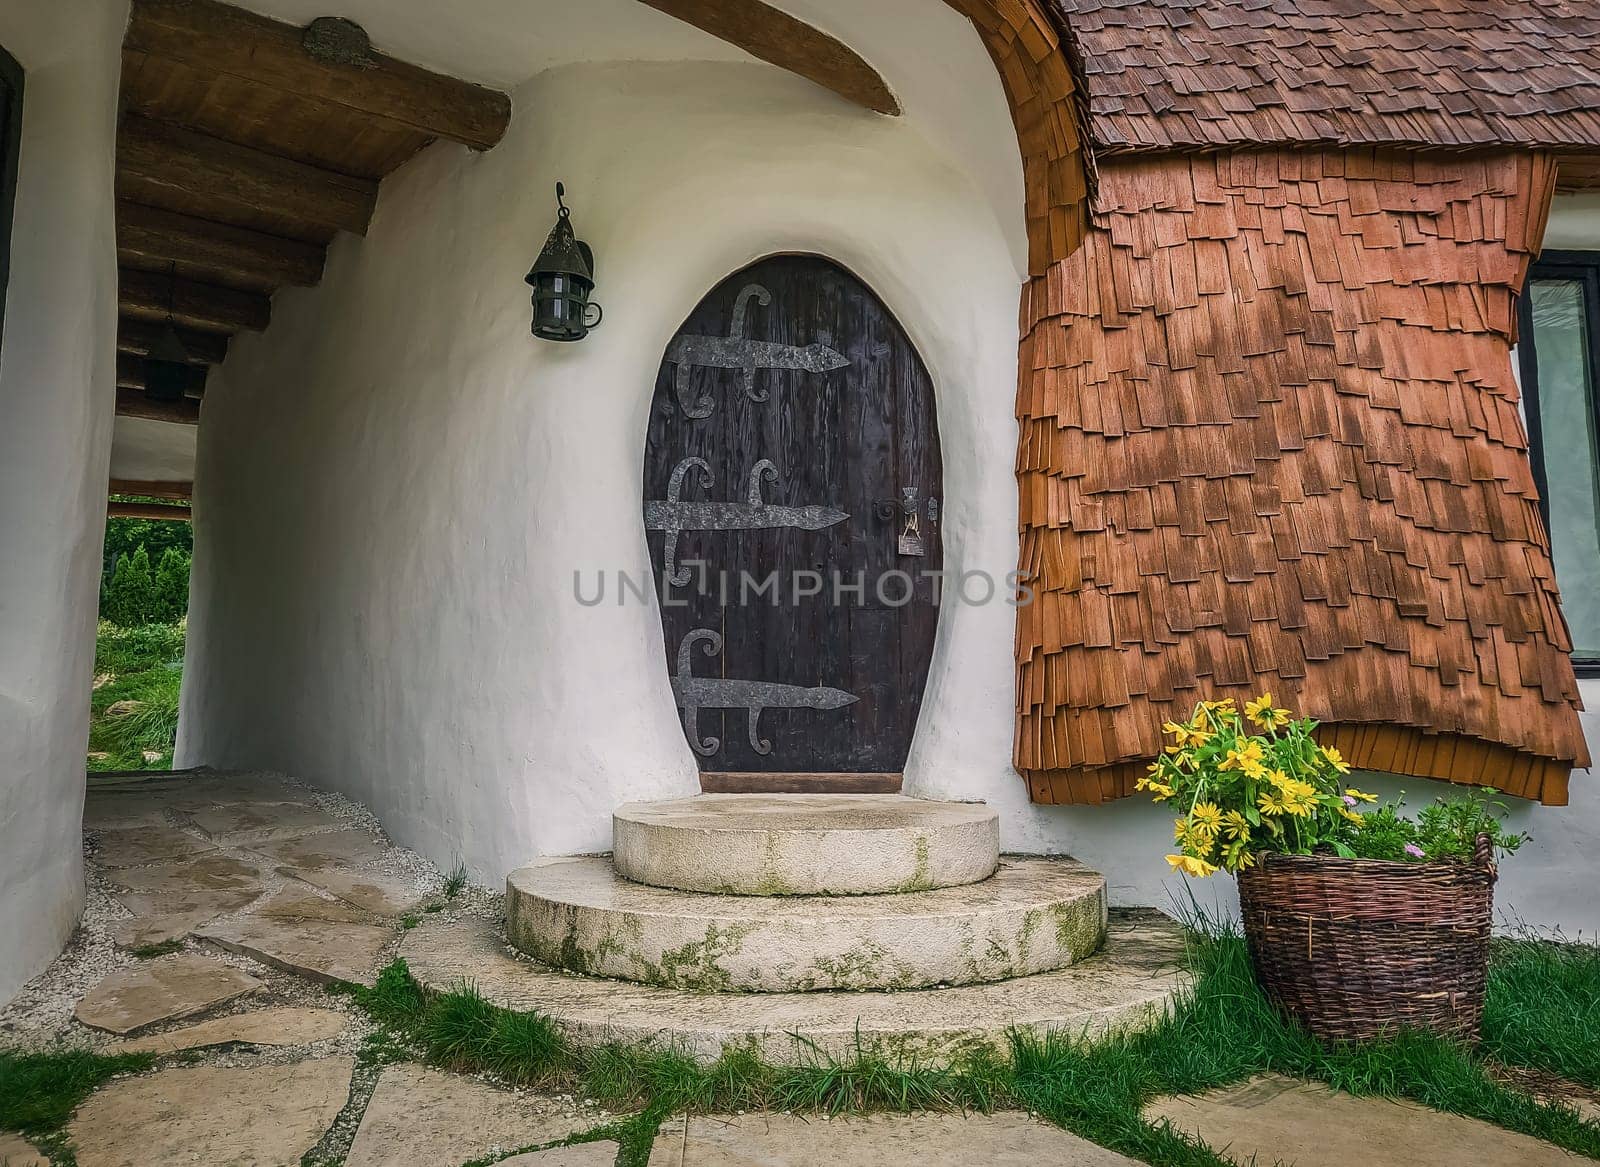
(758, 782)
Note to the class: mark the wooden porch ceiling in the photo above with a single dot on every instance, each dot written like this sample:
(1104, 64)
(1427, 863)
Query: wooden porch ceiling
(246, 146)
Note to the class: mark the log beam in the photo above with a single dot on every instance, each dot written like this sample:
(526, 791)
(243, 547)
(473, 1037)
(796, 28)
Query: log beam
(222, 39)
(137, 336)
(132, 374)
(152, 296)
(132, 403)
(779, 39)
(147, 235)
(165, 512)
(157, 162)
(148, 488)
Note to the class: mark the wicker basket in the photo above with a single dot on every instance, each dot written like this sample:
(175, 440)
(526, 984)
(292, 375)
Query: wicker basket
(1353, 948)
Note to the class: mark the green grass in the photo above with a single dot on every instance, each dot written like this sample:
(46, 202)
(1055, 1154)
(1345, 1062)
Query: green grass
(143, 664)
(456, 882)
(1222, 1032)
(151, 951)
(39, 1091)
(1543, 1008)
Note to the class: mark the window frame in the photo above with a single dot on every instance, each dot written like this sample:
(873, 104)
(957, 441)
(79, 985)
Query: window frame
(10, 159)
(1582, 267)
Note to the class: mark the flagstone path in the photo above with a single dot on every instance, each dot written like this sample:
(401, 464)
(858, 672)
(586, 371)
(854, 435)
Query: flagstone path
(220, 906)
(1309, 1125)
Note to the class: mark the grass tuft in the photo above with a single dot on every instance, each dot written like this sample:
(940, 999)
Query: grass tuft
(151, 951)
(39, 1091)
(456, 882)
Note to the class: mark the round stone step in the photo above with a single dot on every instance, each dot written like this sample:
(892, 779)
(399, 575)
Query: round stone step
(805, 844)
(1128, 985)
(1034, 915)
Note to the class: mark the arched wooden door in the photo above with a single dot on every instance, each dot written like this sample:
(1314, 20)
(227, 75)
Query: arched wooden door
(792, 503)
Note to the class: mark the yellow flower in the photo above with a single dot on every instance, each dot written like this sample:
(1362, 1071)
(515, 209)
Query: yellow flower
(1239, 858)
(1151, 781)
(1263, 714)
(1207, 815)
(1346, 812)
(1361, 794)
(1278, 778)
(1270, 802)
(1236, 826)
(1223, 706)
(1335, 759)
(1246, 758)
(1180, 830)
(1299, 803)
(1189, 865)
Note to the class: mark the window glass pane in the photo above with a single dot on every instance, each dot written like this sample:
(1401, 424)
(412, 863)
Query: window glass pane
(1571, 455)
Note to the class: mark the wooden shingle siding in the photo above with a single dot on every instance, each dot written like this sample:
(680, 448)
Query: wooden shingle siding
(1269, 439)
(1181, 75)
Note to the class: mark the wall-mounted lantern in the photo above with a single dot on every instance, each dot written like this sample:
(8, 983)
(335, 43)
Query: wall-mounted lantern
(167, 371)
(562, 278)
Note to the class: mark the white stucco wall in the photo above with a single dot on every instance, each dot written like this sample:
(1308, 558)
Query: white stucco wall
(57, 388)
(395, 483)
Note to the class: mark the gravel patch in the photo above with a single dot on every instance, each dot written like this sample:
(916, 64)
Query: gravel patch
(41, 1014)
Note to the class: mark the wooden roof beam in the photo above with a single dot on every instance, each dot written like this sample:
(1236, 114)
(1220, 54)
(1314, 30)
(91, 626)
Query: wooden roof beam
(148, 488)
(153, 296)
(157, 162)
(219, 38)
(165, 511)
(137, 336)
(132, 403)
(779, 39)
(146, 235)
(132, 373)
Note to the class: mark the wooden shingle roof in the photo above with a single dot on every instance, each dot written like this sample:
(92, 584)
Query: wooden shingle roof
(1184, 75)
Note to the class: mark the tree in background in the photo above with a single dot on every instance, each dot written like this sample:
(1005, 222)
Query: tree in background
(129, 596)
(171, 586)
(125, 536)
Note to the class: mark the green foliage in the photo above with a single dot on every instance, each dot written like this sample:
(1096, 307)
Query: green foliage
(124, 535)
(1543, 1008)
(135, 594)
(1447, 829)
(143, 665)
(39, 1091)
(129, 595)
(172, 586)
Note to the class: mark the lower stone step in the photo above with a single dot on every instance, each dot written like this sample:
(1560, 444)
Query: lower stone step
(1033, 916)
(1126, 986)
(806, 844)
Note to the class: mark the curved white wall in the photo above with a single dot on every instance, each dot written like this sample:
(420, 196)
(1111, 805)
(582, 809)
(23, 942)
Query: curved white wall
(57, 389)
(396, 483)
